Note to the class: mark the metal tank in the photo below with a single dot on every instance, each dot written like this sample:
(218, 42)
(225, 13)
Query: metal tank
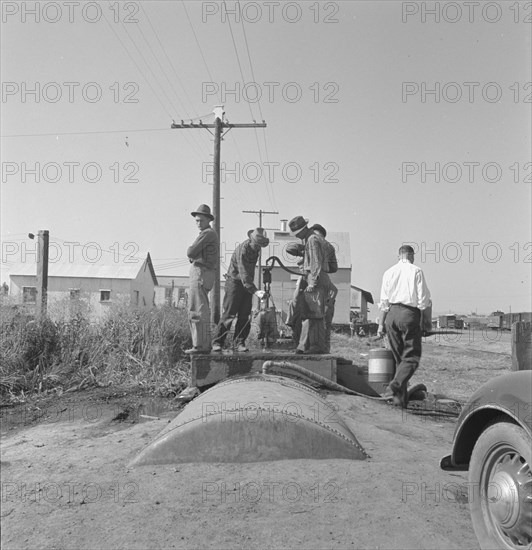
(253, 419)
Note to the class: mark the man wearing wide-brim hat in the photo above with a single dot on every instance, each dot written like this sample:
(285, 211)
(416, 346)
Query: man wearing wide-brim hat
(203, 255)
(312, 339)
(239, 291)
(332, 267)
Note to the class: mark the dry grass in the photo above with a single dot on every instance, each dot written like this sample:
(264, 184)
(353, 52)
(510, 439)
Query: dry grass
(129, 347)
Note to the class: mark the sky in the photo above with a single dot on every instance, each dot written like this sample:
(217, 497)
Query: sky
(398, 122)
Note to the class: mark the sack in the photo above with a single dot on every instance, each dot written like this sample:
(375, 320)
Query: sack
(313, 304)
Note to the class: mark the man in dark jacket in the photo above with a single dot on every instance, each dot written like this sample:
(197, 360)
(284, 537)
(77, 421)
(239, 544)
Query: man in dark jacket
(203, 255)
(239, 291)
(332, 291)
(314, 269)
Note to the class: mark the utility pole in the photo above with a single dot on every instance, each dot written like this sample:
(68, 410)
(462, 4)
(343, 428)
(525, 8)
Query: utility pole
(219, 125)
(260, 213)
(42, 272)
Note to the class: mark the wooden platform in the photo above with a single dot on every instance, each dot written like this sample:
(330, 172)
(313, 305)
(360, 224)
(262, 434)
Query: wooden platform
(214, 367)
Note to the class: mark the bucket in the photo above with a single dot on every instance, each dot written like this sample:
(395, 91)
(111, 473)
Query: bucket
(381, 365)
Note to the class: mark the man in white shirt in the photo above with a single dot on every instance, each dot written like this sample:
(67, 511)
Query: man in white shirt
(404, 294)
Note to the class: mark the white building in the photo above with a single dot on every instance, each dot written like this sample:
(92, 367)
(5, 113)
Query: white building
(88, 288)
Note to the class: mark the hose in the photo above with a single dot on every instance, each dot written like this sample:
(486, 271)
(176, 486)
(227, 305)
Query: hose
(268, 366)
(274, 259)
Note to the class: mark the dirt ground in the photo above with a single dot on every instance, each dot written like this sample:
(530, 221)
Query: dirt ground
(66, 482)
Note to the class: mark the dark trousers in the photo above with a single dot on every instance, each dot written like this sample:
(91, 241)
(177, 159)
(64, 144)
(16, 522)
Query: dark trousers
(312, 337)
(237, 303)
(404, 334)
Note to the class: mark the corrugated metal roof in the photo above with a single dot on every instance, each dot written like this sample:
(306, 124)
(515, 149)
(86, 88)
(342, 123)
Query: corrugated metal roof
(92, 271)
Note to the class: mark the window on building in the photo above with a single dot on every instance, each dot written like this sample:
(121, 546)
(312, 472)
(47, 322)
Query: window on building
(29, 294)
(74, 293)
(136, 297)
(105, 295)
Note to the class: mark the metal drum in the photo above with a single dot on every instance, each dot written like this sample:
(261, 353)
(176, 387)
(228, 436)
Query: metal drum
(253, 419)
(381, 366)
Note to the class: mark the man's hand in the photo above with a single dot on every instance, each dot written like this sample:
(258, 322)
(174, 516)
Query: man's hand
(310, 288)
(260, 294)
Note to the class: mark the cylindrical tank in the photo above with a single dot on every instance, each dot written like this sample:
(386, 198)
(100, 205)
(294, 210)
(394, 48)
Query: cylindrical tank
(381, 365)
(253, 419)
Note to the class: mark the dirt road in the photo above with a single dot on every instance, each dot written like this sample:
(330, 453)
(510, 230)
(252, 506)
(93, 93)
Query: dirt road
(66, 484)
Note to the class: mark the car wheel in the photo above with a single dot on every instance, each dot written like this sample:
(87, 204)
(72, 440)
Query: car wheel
(500, 477)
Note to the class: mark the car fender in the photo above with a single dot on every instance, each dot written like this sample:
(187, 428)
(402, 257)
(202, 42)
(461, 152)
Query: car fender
(508, 397)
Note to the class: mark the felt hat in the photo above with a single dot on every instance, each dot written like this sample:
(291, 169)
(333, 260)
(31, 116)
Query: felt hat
(320, 228)
(258, 236)
(295, 249)
(203, 210)
(297, 224)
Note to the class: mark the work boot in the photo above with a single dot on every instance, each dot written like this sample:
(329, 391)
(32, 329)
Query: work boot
(388, 395)
(216, 347)
(241, 348)
(392, 391)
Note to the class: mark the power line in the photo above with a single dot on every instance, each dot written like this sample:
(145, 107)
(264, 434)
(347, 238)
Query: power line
(144, 76)
(258, 100)
(147, 64)
(237, 195)
(86, 133)
(249, 105)
(136, 65)
(166, 54)
(198, 44)
(197, 143)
